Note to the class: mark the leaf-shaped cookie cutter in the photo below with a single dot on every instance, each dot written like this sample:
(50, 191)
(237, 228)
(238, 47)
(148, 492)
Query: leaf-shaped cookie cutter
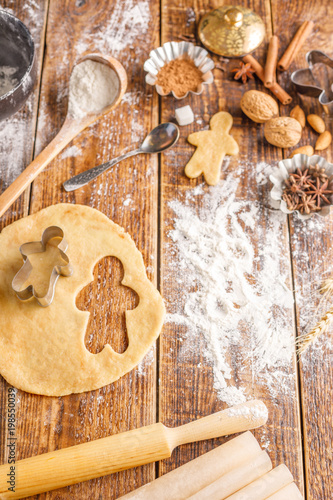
(302, 77)
(23, 274)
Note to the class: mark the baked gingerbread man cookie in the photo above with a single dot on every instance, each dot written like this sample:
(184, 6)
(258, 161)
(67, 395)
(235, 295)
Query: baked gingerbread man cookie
(212, 146)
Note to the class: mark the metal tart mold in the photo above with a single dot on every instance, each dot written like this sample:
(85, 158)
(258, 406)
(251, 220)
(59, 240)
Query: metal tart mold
(288, 166)
(176, 50)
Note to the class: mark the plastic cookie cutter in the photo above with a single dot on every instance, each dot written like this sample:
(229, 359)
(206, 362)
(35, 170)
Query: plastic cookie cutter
(314, 83)
(62, 267)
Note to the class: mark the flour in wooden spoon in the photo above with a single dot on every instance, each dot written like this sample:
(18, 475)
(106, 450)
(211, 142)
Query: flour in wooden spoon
(92, 87)
(233, 293)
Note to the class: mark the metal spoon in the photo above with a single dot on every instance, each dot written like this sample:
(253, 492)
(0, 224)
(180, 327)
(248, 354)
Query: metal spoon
(159, 139)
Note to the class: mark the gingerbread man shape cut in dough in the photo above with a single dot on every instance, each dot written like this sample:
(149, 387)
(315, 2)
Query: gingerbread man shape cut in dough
(212, 146)
(42, 350)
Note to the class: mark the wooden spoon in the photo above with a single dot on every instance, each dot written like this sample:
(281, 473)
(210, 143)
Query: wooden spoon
(70, 129)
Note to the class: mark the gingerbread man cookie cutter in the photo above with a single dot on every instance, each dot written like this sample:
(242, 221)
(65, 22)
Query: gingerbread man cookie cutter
(23, 274)
(306, 83)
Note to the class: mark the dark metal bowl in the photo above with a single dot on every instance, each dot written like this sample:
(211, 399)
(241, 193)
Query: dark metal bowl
(17, 50)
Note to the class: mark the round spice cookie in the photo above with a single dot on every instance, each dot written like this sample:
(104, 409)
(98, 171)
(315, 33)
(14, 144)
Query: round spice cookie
(42, 350)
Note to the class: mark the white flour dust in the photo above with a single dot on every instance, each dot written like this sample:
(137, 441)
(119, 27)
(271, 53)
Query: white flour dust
(263, 171)
(92, 87)
(7, 79)
(190, 16)
(71, 152)
(234, 295)
(129, 22)
(312, 304)
(15, 138)
(253, 412)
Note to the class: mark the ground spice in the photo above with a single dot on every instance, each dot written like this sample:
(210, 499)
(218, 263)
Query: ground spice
(179, 76)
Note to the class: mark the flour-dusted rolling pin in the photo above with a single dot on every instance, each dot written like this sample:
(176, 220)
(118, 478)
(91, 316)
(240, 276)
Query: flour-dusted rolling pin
(122, 451)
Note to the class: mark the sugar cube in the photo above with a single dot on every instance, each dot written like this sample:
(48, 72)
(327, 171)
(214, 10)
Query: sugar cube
(184, 115)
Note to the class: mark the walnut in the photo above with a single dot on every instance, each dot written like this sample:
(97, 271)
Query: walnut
(259, 106)
(283, 131)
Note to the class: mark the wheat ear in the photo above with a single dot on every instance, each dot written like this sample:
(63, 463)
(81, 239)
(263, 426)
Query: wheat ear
(304, 341)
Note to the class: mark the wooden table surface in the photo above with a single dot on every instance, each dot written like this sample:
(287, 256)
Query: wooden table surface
(166, 386)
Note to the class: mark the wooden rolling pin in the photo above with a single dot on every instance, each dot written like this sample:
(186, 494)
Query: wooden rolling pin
(122, 451)
(199, 473)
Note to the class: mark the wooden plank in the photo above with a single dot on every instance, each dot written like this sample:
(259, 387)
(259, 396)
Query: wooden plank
(16, 150)
(311, 254)
(128, 195)
(17, 132)
(187, 381)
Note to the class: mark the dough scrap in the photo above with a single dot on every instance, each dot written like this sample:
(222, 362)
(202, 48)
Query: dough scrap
(42, 350)
(212, 146)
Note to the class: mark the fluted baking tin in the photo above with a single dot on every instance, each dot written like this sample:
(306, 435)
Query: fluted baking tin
(174, 50)
(286, 167)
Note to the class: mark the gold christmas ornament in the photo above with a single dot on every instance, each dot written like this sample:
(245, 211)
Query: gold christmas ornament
(231, 31)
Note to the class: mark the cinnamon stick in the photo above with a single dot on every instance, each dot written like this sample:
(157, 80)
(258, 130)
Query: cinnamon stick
(301, 35)
(271, 62)
(278, 91)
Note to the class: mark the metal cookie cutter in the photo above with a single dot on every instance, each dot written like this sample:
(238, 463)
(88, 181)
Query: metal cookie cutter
(39, 247)
(307, 84)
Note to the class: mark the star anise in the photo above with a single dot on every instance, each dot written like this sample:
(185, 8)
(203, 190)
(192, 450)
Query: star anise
(302, 178)
(307, 205)
(319, 191)
(318, 171)
(292, 186)
(306, 189)
(244, 72)
(290, 201)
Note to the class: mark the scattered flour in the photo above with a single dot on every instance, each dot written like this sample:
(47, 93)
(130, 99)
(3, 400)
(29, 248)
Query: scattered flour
(263, 171)
(133, 98)
(127, 201)
(13, 135)
(15, 139)
(128, 23)
(190, 16)
(251, 412)
(147, 361)
(92, 87)
(312, 304)
(234, 295)
(71, 152)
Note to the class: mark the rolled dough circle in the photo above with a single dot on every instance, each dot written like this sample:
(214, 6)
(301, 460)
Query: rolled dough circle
(42, 350)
